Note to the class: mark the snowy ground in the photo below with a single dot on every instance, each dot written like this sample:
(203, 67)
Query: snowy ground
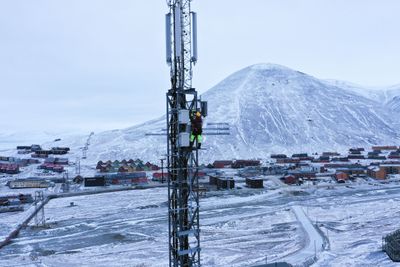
(132, 226)
(314, 243)
(355, 228)
(243, 227)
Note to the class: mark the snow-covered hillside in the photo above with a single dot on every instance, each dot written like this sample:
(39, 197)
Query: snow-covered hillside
(271, 109)
(9, 139)
(387, 96)
(393, 98)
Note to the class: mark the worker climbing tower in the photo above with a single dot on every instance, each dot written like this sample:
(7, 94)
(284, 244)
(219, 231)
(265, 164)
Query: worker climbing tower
(182, 155)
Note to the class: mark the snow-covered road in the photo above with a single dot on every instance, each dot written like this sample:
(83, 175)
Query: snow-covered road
(313, 241)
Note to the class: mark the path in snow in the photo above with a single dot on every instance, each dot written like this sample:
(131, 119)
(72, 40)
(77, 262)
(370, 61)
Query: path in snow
(314, 241)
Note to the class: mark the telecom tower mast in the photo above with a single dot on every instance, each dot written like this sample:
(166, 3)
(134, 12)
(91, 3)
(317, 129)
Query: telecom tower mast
(182, 155)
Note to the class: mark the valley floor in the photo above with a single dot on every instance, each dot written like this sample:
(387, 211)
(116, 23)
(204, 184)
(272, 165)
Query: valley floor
(242, 227)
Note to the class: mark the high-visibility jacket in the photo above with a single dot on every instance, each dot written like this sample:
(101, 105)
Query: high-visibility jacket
(197, 125)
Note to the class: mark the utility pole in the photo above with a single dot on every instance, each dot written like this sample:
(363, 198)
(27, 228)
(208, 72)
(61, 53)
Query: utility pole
(315, 249)
(40, 220)
(182, 155)
(162, 170)
(78, 166)
(65, 185)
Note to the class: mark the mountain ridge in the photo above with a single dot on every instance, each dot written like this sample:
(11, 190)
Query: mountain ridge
(270, 109)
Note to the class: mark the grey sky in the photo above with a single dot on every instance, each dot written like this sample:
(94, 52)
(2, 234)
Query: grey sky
(85, 65)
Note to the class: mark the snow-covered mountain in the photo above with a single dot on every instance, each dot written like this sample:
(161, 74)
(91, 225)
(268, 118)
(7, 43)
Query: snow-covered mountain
(388, 96)
(271, 109)
(392, 98)
(394, 103)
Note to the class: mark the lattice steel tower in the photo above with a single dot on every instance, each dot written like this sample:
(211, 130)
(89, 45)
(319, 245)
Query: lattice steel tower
(182, 159)
(40, 219)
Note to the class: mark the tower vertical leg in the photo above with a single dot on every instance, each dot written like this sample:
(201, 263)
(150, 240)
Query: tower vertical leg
(182, 156)
(183, 198)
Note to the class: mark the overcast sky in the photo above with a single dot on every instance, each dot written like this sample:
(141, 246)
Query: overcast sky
(83, 65)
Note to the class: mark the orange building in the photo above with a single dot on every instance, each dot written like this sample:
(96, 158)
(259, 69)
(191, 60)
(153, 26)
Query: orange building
(341, 176)
(376, 172)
